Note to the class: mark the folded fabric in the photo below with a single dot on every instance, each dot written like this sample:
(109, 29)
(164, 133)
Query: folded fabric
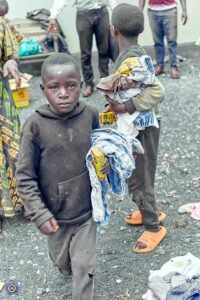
(193, 208)
(118, 149)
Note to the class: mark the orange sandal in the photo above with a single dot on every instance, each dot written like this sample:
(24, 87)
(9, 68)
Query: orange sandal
(135, 218)
(150, 239)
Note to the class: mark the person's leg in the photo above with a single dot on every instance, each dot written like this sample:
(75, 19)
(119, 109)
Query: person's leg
(84, 25)
(170, 29)
(155, 21)
(101, 31)
(141, 186)
(141, 183)
(83, 260)
(58, 248)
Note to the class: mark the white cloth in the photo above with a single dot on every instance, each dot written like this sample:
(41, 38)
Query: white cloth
(162, 7)
(58, 6)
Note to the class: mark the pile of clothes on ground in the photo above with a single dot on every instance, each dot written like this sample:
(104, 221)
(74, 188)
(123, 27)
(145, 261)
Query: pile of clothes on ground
(178, 279)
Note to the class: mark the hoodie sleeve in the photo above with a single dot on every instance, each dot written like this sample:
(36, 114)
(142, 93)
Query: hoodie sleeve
(151, 96)
(27, 177)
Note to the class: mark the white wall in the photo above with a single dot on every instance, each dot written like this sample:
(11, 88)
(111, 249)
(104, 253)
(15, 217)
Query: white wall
(188, 33)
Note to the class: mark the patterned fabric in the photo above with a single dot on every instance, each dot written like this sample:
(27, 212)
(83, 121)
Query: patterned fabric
(9, 130)
(9, 40)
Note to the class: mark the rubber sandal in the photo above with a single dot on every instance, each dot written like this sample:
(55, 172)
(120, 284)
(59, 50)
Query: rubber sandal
(150, 239)
(135, 218)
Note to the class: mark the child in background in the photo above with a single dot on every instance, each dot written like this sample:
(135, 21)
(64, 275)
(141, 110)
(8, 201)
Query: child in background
(127, 24)
(52, 176)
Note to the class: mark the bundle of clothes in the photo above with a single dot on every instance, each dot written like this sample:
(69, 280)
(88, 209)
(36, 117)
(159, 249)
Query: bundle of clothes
(178, 279)
(118, 149)
(128, 81)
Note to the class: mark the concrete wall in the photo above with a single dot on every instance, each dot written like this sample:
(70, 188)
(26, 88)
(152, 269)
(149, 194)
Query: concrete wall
(186, 34)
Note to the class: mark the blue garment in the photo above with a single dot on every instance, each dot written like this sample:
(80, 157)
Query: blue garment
(186, 291)
(164, 24)
(118, 149)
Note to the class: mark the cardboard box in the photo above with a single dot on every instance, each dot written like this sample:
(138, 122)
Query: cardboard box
(107, 118)
(20, 96)
(98, 159)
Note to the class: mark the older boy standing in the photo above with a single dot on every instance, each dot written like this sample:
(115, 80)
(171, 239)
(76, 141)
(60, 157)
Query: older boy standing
(127, 24)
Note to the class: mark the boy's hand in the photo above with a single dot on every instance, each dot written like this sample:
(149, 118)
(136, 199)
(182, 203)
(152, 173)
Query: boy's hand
(118, 108)
(105, 168)
(49, 227)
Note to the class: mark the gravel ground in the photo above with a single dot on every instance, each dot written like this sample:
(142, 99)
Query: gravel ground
(122, 274)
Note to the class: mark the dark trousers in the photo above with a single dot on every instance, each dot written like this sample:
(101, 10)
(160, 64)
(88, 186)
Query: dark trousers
(95, 21)
(164, 24)
(141, 183)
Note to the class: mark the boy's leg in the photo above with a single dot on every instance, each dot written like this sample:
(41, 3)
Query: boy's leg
(141, 183)
(141, 186)
(101, 31)
(156, 24)
(58, 246)
(83, 260)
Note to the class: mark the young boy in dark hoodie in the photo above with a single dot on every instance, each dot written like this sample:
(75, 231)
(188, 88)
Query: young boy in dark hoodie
(127, 24)
(52, 177)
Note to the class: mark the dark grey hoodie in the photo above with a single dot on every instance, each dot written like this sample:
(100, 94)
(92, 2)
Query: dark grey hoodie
(52, 177)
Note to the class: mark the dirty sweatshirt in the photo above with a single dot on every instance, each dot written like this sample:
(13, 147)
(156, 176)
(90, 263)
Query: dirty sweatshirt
(52, 177)
(152, 95)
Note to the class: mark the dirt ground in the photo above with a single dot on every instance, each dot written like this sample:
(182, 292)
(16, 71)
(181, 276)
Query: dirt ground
(122, 274)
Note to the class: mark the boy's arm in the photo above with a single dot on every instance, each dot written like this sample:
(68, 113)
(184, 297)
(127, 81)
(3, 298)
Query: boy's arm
(147, 99)
(27, 179)
(142, 4)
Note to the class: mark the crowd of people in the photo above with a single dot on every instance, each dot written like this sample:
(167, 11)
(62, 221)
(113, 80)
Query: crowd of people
(49, 175)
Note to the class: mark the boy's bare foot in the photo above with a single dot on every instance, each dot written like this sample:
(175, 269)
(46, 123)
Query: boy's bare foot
(149, 240)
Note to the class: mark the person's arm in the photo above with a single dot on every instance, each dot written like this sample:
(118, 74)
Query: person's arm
(151, 96)
(142, 4)
(184, 16)
(27, 177)
(147, 99)
(56, 9)
(111, 4)
(11, 68)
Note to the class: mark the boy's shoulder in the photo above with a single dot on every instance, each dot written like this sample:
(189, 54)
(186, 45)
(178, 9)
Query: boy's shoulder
(133, 51)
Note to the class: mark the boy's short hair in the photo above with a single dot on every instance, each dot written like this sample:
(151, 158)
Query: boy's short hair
(128, 19)
(59, 59)
(4, 6)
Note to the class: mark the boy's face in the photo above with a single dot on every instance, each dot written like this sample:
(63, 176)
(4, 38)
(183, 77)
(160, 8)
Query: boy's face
(62, 86)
